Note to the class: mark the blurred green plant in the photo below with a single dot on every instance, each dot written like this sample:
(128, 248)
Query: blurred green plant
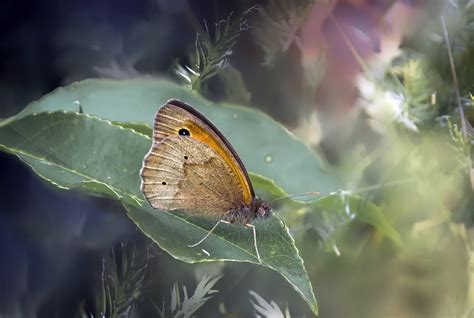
(460, 146)
(212, 51)
(122, 282)
(406, 95)
(430, 42)
(386, 241)
(103, 157)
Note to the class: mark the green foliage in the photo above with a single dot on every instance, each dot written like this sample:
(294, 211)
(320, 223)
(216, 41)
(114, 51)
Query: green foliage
(123, 277)
(331, 215)
(392, 228)
(459, 17)
(406, 95)
(460, 146)
(417, 88)
(82, 152)
(265, 146)
(103, 159)
(174, 232)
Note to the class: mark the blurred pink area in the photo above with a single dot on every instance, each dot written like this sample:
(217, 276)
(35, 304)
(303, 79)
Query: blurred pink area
(343, 31)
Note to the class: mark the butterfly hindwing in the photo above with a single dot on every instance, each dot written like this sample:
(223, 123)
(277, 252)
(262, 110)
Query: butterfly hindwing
(190, 167)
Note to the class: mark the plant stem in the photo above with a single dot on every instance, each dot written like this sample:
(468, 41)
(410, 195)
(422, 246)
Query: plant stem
(455, 79)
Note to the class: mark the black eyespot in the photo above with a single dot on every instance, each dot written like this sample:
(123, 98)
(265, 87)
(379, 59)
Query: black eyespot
(184, 132)
(186, 157)
(163, 183)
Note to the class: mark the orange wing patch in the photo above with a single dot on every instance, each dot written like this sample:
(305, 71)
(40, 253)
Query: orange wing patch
(200, 134)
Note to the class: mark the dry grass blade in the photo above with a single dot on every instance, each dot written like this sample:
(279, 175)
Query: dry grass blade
(123, 276)
(183, 305)
(455, 78)
(266, 309)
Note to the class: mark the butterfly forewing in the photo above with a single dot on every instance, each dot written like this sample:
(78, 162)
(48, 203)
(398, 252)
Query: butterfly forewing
(176, 117)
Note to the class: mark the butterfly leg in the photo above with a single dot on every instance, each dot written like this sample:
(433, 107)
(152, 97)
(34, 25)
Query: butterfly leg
(254, 240)
(208, 233)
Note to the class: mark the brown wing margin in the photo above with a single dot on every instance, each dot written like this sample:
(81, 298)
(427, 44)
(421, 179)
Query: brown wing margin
(206, 121)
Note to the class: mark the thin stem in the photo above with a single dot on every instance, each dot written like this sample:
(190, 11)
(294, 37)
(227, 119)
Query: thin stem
(382, 185)
(455, 79)
(296, 195)
(357, 56)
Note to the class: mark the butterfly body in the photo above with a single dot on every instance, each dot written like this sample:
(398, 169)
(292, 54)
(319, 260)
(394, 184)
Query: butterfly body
(245, 214)
(192, 167)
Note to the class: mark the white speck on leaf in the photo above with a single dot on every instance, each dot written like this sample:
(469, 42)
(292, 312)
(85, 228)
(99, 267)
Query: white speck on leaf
(336, 250)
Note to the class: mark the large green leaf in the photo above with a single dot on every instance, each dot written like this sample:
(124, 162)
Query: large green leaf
(70, 150)
(173, 233)
(77, 151)
(265, 146)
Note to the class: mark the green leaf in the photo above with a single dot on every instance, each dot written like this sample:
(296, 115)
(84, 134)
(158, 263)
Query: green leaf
(266, 188)
(264, 145)
(77, 151)
(229, 85)
(227, 243)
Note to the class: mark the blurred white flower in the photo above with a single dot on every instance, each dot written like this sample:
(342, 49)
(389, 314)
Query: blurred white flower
(384, 107)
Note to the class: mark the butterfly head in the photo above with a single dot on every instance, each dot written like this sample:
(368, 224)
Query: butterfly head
(261, 208)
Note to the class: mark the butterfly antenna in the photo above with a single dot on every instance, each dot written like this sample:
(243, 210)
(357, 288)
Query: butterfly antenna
(297, 195)
(207, 235)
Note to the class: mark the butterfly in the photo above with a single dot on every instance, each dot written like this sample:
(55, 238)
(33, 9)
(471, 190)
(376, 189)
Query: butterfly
(191, 167)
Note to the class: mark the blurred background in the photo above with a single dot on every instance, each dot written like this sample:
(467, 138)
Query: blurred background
(369, 84)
